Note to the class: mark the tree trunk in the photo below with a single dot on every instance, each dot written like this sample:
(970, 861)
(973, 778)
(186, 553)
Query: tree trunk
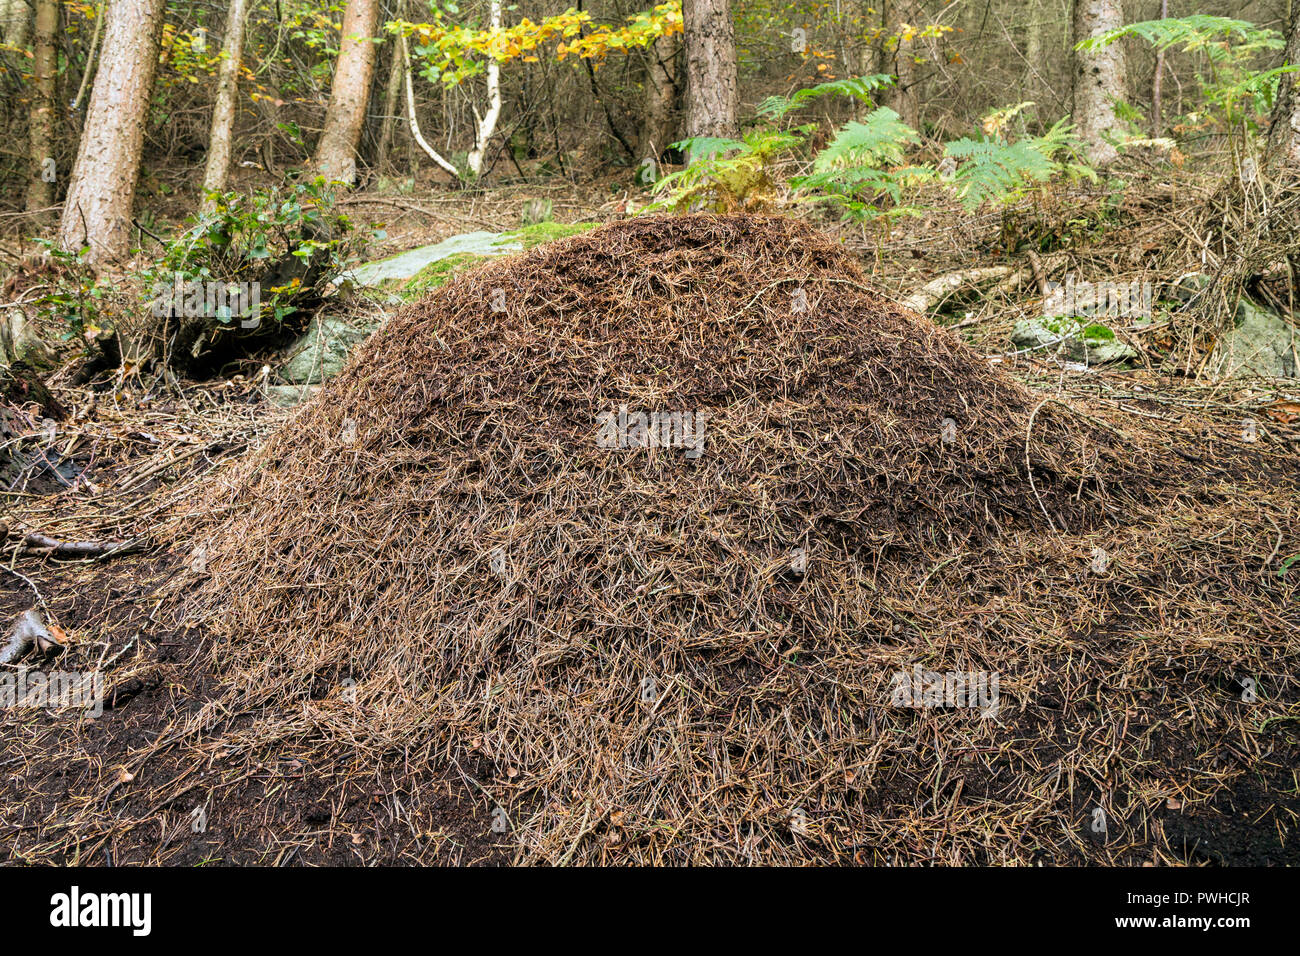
(659, 122)
(223, 112)
(40, 185)
(901, 61)
(1098, 78)
(97, 211)
(336, 152)
(1284, 130)
(712, 100)
(487, 123)
(392, 103)
(14, 20)
(1158, 83)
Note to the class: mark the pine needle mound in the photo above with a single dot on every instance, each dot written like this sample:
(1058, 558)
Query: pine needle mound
(666, 656)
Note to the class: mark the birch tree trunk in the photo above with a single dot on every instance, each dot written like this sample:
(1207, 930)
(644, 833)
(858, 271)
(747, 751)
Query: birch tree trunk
(336, 152)
(15, 16)
(487, 123)
(1098, 78)
(223, 112)
(40, 185)
(97, 211)
(710, 42)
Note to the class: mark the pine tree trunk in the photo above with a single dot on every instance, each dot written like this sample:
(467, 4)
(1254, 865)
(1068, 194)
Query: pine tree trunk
(40, 185)
(223, 111)
(1098, 78)
(97, 211)
(658, 127)
(336, 152)
(712, 100)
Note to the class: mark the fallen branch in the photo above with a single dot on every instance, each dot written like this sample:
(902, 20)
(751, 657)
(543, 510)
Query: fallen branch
(44, 544)
(945, 285)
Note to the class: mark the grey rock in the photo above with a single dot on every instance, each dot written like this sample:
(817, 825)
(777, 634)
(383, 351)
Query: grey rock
(409, 263)
(287, 396)
(1261, 343)
(321, 352)
(1071, 339)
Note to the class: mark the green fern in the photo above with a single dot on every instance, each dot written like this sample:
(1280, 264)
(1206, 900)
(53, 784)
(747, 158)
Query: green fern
(859, 166)
(1198, 33)
(718, 182)
(997, 170)
(880, 138)
(860, 88)
(1235, 94)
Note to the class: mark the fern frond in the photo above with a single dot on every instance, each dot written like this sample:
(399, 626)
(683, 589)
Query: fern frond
(860, 88)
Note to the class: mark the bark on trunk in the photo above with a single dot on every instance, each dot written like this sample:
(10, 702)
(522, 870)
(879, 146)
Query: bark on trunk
(223, 112)
(658, 129)
(336, 152)
(97, 211)
(15, 17)
(40, 185)
(1284, 130)
(1098, 78)
(392, 103)
(710, 43)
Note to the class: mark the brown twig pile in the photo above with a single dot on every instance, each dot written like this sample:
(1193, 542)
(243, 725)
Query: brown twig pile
(670, 658)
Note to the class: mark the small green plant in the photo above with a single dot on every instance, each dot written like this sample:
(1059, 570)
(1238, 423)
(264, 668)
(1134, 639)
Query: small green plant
(292, 241)
(863, 165)
(991, 167)
(76, 296)
(859, 88)
(729, 175)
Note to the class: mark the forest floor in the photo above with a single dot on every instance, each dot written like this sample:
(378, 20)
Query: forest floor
(134, 450)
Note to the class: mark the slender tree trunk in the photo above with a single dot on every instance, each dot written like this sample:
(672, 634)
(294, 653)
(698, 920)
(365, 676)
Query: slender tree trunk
(223, 112)
(392, 103)
(97, 211)
(1158, 82)
(40, 186)
(1284, 130)
(712, 101)
(336, 152)
(414, 120)
(1033, 49)
(1098, 78)
(903, 98)
(487, 123)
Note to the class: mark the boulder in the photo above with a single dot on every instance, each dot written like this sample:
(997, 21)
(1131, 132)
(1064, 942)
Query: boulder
(1260, 343)
(1074, 340)
(321, 352)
